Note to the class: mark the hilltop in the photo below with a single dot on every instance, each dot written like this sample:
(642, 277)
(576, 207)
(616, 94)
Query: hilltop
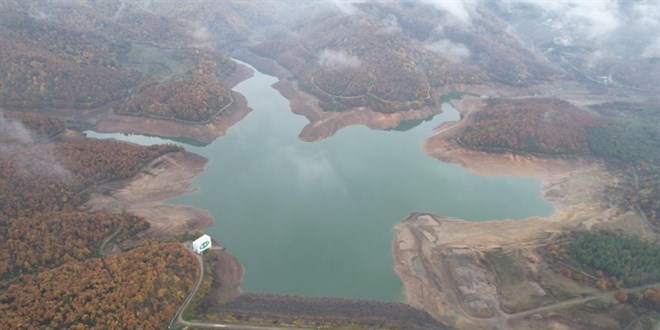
(101, 57)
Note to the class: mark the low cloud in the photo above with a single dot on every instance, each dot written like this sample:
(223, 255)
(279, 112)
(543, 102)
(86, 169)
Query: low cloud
(652, 51)
(626, 29)
(38, 14)
(447, 48)
(591, 18)
(15, 139)
(13, 134)
(332, 59)
(460, 12)
(644, 23)
(42, 163)
(595, 58)
(201, 36)
(595, 18)
(313, 170)
(391, 23)
(348, 6)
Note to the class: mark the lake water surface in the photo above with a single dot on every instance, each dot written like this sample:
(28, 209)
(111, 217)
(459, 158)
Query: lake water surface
(315, 218)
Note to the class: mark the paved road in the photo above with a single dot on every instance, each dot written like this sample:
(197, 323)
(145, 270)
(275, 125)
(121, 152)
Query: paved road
(234, 326)
(178, 317)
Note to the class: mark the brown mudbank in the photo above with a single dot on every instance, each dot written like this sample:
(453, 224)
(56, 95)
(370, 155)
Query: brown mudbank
(227, 276)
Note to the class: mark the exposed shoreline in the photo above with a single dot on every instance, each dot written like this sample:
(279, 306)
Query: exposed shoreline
(166, 177)
(323, 124)
(170, 175)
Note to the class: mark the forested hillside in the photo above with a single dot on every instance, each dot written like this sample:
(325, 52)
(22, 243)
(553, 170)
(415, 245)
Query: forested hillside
(109, 51)
(52, 272)
(391, 55)
(631, 134)
(488, 44)
(539, 125)
(115, 20)
(141, 288)
(625, 132)
(52, 177)
(46, 65)
(627, 258)
(46, 240)
(96, 55)
(638, 73)
(349, 61)
(227, 22)
(196, 98)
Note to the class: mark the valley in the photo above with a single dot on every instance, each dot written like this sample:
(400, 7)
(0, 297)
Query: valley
(359, 164)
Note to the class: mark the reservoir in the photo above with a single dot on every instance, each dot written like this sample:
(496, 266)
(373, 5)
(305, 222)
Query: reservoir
(316, 218)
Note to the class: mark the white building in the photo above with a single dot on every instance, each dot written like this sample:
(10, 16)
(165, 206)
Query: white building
(202, 243)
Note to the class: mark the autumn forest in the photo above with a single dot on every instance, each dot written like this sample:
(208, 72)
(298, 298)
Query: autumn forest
(48, 246)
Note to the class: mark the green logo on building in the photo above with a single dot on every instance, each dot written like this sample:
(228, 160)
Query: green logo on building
(204, 245)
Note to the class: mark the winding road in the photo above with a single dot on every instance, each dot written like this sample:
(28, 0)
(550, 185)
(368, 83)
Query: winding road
(178, 317)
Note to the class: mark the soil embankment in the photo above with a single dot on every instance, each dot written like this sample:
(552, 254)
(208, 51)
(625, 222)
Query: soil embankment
(227, 277)
(143, 195)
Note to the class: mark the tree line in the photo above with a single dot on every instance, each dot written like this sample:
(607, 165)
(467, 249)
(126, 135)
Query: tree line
(631, 260)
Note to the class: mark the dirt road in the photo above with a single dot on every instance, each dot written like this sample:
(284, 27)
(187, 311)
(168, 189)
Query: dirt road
(574, 301)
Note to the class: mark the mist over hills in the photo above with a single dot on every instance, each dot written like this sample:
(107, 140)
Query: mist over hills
(535, 84)
(382, 55)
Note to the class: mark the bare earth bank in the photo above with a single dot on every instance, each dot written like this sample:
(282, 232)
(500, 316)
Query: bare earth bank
(227, 277)
(167, 176)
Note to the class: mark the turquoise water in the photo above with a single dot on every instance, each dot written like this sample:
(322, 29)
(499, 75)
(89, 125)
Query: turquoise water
(316, 218)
